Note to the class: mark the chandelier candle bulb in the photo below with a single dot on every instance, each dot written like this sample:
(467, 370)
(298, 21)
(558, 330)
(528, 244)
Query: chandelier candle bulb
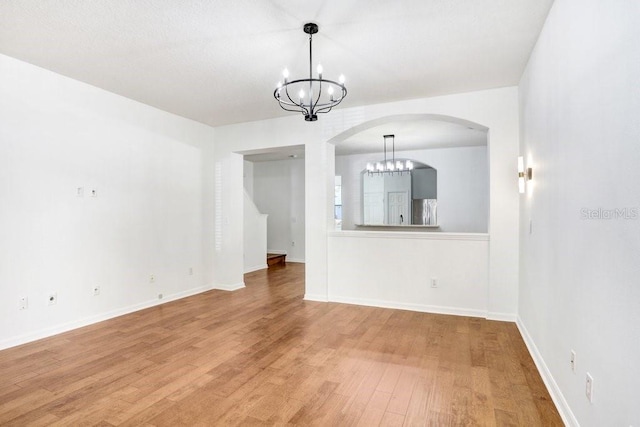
(320, 71)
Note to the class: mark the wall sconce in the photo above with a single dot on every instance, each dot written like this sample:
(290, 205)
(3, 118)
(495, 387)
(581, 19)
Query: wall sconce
(523, 174)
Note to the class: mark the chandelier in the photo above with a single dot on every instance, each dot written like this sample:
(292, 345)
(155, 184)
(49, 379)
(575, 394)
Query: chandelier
(311, 100)
(390, 166)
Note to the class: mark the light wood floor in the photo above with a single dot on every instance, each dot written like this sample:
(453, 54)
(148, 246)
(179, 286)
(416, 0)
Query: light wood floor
(263, 356)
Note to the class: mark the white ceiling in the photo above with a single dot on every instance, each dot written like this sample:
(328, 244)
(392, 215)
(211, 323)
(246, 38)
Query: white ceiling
(218, 61)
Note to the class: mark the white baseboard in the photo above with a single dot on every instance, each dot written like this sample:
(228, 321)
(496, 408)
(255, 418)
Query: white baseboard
(312, 297)
(503, 317)
(299, 260)
(255, 268)
(228, 287)
(65, 327)
(552, 387)
(412, 307)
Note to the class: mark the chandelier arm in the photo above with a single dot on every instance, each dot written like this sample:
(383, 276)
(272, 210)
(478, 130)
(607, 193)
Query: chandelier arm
(338, 100)
(292, 110)
(292, 107)
(301, 107)
(325, 108)
(286, 90)
(284, 104)
(283, 101)
(319, 94)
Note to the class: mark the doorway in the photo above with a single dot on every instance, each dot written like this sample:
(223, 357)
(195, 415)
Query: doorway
(276, 178)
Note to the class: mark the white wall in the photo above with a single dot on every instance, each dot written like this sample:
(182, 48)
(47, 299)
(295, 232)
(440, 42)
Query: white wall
(580, 104)
(495, 109)
(279, 192)
(463, 186)
(247, 176)
(377, 276)
(255, 236)
(56, 135)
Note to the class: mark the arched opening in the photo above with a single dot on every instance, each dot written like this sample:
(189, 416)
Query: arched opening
(456, 148)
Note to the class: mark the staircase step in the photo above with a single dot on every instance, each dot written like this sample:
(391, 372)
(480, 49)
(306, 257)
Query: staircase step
(275, 259)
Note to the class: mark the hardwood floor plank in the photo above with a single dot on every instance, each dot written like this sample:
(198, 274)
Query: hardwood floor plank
(22, 401)
(390, 378)
(418, 407)
(481, 402)
(375, 409)
(264, 356)
(403, 391)
(311, 411)
(391, 419)
(506, 418)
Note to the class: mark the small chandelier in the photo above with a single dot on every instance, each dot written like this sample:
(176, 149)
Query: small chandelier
(390, 166)
(315, 101)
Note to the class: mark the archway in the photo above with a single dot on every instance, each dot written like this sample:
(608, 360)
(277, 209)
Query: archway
(456, 147)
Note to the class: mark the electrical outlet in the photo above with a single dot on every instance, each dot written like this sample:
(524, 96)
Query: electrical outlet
(434, 282)
(589, 387)
(190, 271)
(573, 361)
(160, 296)
(96, 291)
(94, 192)
(53, 298)
(23, 303)
(152, 278)
(293, 243)
(80, 191)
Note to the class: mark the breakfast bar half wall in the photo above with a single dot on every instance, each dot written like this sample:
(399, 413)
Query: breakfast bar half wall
(430, 272)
